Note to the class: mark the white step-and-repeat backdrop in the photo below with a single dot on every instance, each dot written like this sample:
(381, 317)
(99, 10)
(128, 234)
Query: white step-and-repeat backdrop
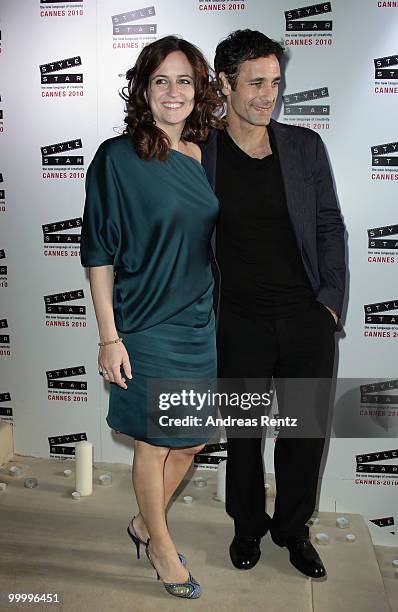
(62, 65)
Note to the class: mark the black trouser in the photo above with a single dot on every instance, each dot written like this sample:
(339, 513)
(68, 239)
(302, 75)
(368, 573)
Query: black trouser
(299, 347)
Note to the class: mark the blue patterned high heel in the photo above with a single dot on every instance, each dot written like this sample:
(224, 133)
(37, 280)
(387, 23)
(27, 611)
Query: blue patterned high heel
(137, 541)
(190, 589)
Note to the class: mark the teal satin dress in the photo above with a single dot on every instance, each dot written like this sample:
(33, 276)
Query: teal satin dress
(152, 220)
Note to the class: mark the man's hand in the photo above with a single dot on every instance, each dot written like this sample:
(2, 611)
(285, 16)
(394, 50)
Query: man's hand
(333, 313)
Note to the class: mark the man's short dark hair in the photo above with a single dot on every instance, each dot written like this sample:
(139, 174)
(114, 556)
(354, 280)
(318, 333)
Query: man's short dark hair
(240, 46)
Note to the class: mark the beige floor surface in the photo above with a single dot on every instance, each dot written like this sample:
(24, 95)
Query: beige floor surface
(51, 543)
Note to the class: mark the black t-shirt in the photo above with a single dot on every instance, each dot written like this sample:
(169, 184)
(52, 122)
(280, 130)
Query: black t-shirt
(262, 273)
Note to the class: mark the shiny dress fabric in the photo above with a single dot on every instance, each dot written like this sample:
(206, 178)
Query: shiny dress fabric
(152, 220)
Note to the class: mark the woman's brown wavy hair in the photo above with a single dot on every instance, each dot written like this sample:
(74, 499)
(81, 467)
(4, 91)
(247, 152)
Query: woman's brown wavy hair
(149, 140)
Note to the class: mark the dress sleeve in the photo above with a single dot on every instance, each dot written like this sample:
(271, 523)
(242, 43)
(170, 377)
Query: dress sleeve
(101, 232)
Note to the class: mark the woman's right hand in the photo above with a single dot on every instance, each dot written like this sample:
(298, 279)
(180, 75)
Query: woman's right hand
(110, 359)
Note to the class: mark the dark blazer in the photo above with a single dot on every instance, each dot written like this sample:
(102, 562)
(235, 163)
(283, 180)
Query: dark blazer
(312, 206)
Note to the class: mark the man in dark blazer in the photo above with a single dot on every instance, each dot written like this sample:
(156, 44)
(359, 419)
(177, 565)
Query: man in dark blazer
(280, 255)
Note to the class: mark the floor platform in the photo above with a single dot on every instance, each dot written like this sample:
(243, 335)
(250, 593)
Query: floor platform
(51, 543)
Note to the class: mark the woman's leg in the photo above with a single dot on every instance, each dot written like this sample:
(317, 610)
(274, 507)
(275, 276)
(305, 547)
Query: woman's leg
(176, 465)
(149, 481)
(178, 462)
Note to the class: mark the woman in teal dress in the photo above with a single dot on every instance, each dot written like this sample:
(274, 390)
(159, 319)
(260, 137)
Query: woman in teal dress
(148, 218)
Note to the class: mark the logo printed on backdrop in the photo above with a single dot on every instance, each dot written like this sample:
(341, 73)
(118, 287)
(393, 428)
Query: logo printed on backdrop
(305, 26)
(55, 83)
(61, 314)
(207, 460)
(2, 128)
(379, 400)
(385, 162)
(387, 522)
(303, 109)
(60, 389)
(59, 244)
(4, 339)
(129, 32)
(5, 411)
(383, 244)
(387, 4)
(386, 75)
(60, 445)
(3, 270)
(2, 195)
(61, 8)
(381, 473)
(378, 324)
(221, 5)
(58, 156)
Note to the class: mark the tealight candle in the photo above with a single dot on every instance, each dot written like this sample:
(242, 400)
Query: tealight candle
(350, 537)
(30, 483)
(105, 479)
(322, 538)
(200, 482)
(15, 470)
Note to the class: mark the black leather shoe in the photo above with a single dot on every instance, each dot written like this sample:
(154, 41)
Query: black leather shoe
(245, 551)
(303, 556)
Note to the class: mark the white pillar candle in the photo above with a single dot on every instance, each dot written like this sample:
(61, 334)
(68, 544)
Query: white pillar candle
(221, 472)
(84, 467)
